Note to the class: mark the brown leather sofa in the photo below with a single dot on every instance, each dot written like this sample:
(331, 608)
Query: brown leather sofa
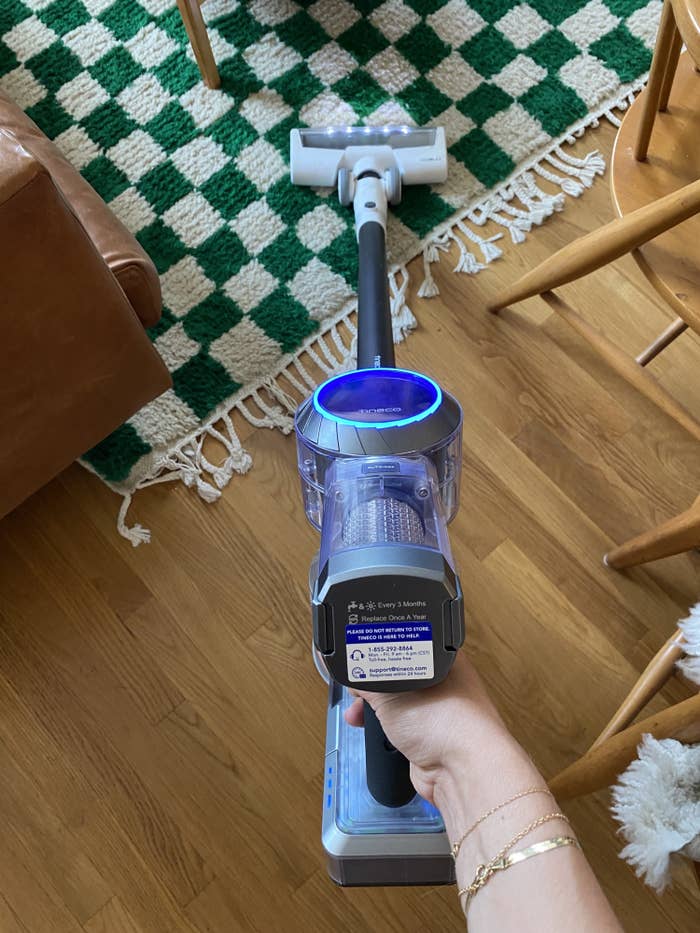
(76, 291)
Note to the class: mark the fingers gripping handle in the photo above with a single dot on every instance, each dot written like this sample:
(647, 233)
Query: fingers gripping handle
(388, 774)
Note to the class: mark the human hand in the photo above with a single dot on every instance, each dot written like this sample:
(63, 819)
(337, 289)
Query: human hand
(439, 728)
(465, 762)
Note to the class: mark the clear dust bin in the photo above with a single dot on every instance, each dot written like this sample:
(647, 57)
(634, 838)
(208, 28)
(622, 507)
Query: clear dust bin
(378, 413)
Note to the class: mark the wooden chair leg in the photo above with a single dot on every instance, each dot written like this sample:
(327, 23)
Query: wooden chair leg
(652, 94)
(671, 66)
(675, 536)
(665, 338)
(199, 40)
(654, 676)
(599, 767)
(624, 365)
(603, 245)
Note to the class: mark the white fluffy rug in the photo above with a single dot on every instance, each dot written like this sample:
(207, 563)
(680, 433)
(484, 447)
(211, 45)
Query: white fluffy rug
(657, 799)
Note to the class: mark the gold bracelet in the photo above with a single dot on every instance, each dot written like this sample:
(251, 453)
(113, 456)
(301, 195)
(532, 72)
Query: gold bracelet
(484, 872)
(498, 862)
(525, 793)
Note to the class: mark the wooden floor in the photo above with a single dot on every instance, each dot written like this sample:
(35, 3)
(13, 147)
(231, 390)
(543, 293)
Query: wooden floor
(161, 721)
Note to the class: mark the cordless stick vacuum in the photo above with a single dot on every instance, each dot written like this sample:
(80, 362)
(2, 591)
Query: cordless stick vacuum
(379, 455)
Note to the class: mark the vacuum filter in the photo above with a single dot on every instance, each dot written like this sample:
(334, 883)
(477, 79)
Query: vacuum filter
(383, 520)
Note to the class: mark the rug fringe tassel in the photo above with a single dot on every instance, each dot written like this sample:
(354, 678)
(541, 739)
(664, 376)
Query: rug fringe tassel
(402, 318)
(137, 534)
(516, 206)
(189, 465)
(573, 175)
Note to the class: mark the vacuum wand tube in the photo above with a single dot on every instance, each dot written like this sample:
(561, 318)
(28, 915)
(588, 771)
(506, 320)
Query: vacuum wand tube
(375, 342)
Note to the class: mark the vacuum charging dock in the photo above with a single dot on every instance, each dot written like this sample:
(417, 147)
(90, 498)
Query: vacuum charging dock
(366, 843)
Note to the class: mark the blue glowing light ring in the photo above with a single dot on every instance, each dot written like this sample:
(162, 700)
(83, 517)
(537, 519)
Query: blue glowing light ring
(402, 422)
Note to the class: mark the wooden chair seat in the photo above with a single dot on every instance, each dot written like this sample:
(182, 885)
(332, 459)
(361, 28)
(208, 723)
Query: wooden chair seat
(671, 262)
(687, 16)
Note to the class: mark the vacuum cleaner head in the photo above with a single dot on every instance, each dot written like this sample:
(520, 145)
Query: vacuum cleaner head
(338, 155)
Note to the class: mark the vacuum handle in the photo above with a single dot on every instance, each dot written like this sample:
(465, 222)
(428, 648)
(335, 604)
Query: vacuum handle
(375, 341)
(388, 776)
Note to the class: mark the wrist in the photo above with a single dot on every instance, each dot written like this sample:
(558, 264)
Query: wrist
(481, 776)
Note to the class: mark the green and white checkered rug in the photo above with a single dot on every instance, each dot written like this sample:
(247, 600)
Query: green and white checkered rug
(252, 269)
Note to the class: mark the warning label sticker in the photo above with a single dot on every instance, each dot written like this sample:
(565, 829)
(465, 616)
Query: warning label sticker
(390, 651)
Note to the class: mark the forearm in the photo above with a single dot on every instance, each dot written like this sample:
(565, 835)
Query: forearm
(553, 891)
(465, 761)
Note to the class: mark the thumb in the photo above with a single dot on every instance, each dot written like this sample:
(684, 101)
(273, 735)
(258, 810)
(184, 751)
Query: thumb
(355, 713)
